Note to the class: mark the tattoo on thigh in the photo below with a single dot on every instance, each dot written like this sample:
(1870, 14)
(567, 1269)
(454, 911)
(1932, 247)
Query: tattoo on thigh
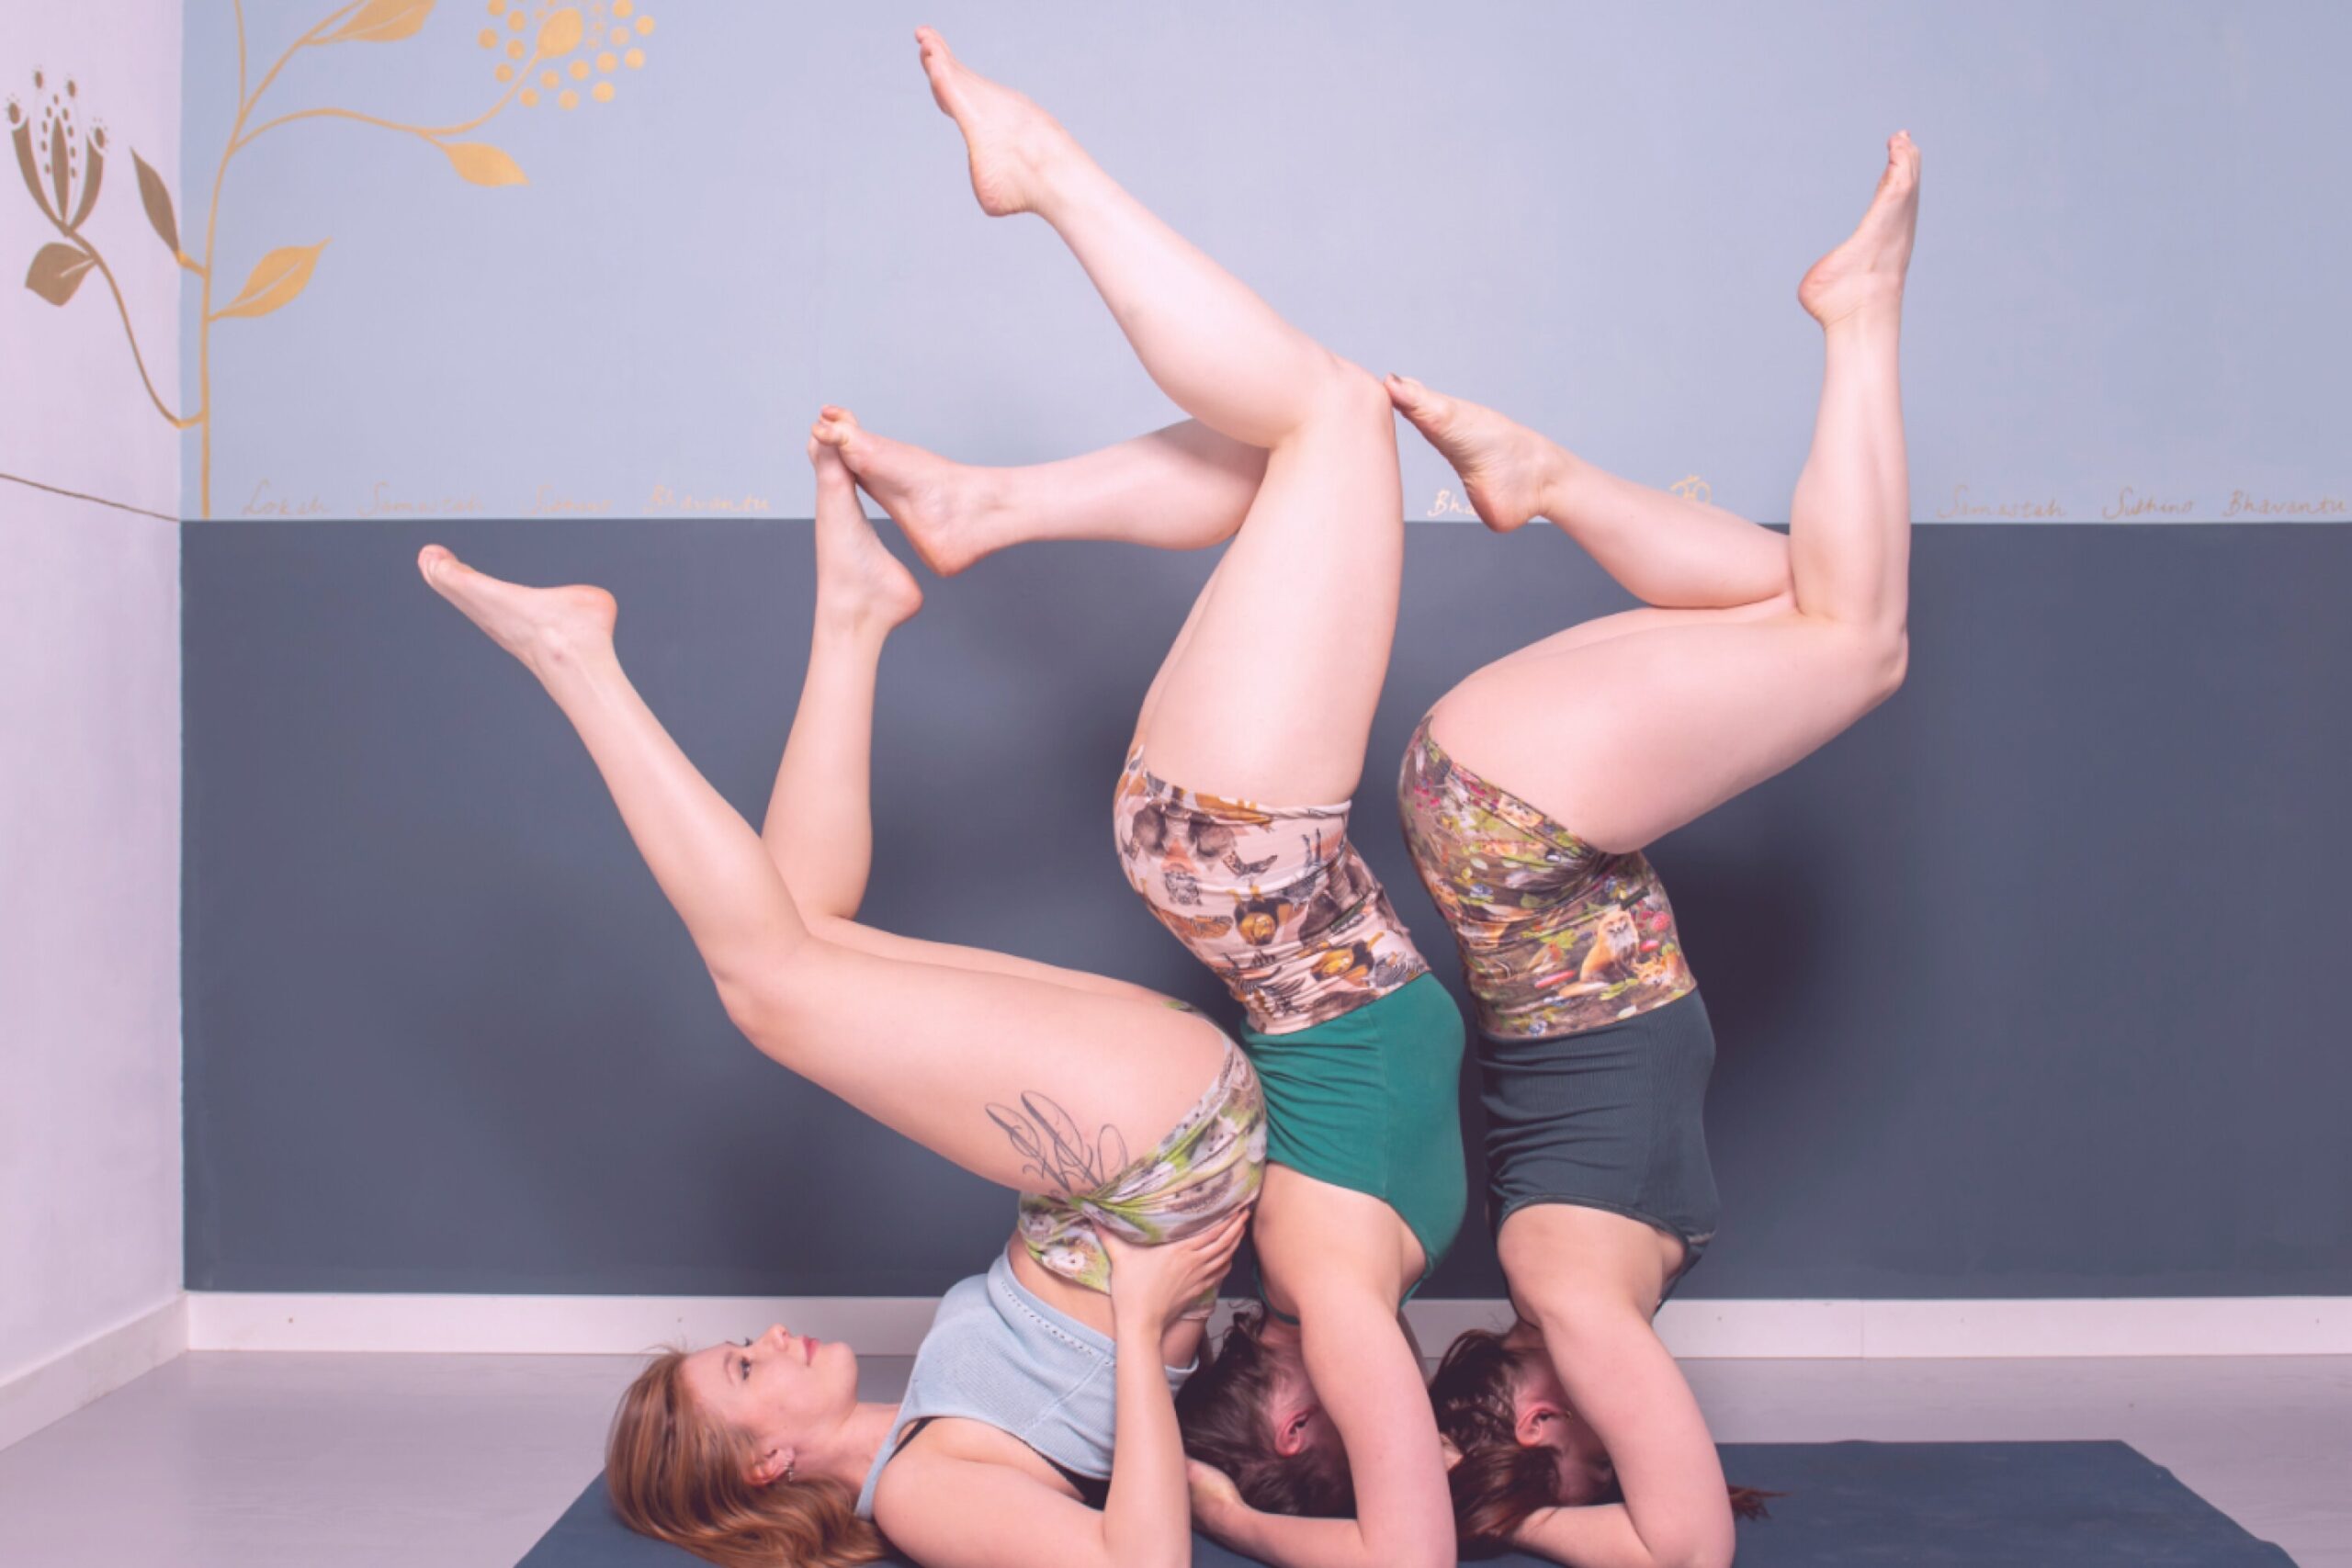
(1053, 1149)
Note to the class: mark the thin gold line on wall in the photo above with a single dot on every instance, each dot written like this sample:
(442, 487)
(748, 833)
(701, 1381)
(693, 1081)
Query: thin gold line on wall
(81, 495)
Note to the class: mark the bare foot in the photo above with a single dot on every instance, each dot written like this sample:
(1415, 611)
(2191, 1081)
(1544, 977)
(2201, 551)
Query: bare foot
(1013, 144)
(543, 627)
(937, 504)
(859, 583)
(1506, 468)
(1867, 271)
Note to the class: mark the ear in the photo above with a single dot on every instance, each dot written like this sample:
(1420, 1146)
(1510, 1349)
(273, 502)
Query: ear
(1535, 1419)
(769, 1466)
(1289, 1432)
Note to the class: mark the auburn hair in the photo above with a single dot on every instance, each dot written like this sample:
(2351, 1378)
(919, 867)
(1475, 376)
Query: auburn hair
(680, 1477)
(1499, 1481)
(1225, 1410)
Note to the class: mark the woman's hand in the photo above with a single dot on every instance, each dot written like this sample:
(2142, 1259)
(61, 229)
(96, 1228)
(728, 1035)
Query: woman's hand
(1153, 1287)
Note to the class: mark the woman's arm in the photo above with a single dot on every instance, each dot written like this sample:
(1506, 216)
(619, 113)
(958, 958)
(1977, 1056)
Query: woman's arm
(1601, 1536)
(1369, 1382)
(1621, 1378)
(954, 1511)
(1147, 1517)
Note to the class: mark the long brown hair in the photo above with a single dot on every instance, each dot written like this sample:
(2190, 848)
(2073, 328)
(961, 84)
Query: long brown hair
(1499, 1481)
(678, 1476)
(1224, 1409)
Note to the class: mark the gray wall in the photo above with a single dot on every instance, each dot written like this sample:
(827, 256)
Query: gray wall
(1592, 213)
(2030, 986)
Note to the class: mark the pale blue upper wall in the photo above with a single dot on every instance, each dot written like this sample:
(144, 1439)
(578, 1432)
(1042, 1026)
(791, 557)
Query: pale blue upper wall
(2129, 271)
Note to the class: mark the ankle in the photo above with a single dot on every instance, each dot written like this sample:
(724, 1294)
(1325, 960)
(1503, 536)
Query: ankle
(854, 626)
(1564, 478)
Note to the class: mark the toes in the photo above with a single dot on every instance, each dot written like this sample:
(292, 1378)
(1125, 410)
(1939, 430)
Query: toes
(835, 430)
(1417, 403)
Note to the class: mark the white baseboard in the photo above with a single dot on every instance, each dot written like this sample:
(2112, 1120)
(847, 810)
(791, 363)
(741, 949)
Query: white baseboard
(893, 1326)
(90, 1370)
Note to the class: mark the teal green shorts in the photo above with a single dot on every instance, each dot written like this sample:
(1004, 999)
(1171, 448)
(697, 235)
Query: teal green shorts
(1370, 1101)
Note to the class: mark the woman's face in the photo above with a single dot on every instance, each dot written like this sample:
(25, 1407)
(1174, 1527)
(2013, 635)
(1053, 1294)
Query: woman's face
(1546, 1419)
(783, 1391)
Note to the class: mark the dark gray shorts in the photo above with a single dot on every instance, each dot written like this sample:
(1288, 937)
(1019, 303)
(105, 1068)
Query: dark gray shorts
(1610, 1118)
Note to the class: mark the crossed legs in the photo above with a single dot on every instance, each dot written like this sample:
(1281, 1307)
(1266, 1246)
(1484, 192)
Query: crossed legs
(1629, 727)
(924, 1037)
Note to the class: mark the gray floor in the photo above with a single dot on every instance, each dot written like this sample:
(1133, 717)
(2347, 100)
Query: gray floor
(229, 1461)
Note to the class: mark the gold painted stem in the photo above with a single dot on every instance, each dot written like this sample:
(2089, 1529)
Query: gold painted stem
(429, 132)
(132, 334)
(212, 228)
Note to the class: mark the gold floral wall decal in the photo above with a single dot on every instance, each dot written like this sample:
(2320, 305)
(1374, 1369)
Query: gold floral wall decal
(546, 52)
(63, 156)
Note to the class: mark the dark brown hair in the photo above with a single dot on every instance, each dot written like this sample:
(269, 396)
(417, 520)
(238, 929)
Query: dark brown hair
(1224, 1409)
(678, 1476)
(1499, 1481)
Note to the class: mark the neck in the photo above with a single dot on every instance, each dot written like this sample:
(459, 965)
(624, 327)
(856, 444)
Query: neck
(850, 1455)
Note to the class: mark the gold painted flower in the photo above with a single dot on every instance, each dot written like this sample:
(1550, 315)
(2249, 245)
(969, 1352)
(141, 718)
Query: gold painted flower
(566, 55)
(63, 163)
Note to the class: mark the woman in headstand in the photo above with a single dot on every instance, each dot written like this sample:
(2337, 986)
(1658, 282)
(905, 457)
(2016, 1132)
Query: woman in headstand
(1260, 715)
(1527, 796)
(1122, 1120)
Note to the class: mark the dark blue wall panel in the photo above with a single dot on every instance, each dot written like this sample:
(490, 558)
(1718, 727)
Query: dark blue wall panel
(2028, 985)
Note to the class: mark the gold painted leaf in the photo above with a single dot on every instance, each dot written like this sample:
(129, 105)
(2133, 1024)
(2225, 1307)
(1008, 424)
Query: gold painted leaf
(276, 279)
(484, 164)
(157, 198)
(57, 271)
(562, 33)
(382, 21)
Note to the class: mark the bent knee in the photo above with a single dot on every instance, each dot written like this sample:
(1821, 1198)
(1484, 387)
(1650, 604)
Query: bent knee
(767, 996)
(1347, 391)
(1887, 660)
(1870, 662)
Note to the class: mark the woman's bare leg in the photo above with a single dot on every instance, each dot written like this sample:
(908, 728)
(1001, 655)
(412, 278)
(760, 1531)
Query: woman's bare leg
(940, 1053)
(1628, 737)
(1274, 697)
(1665, 549)
(1179, 489)
(819, 825)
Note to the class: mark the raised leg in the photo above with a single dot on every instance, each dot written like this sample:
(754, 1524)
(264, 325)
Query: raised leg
(1179, 489)
(1627, 736)
(819, 825)
(1665, 549)
(1273, 698)
(974, 1064)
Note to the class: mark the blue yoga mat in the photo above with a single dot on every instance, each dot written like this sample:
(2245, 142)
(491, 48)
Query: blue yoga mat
(1926, 1505)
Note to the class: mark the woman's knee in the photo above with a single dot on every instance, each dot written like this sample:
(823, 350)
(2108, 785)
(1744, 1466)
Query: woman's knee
(766, 992)
(1345, 391)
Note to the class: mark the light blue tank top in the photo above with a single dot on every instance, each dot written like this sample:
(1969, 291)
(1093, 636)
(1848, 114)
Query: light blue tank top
(998, 1353)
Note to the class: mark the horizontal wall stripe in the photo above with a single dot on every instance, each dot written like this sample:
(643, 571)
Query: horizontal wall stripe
(894, 1325)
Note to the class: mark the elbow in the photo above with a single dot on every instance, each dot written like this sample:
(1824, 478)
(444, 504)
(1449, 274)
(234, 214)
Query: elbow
(1175, 1550)
(1707, 1545)
(1434, 1549)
